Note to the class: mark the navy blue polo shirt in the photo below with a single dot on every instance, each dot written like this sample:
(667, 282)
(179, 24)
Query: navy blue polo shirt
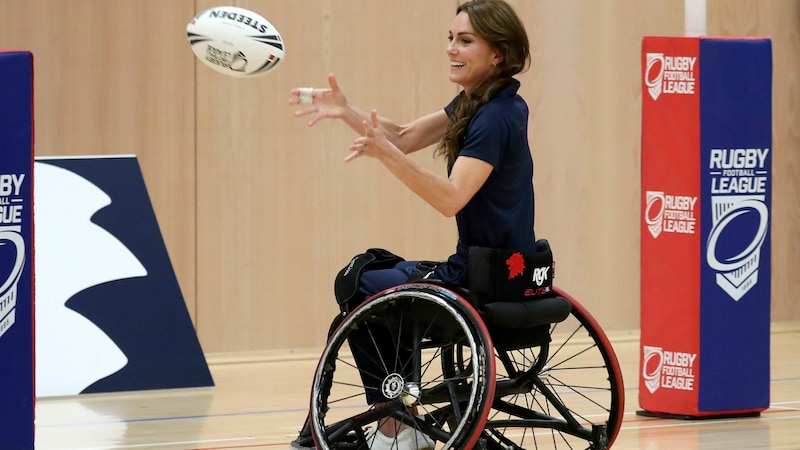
(501, 213)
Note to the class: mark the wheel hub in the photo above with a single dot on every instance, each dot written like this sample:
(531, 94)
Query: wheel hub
(392, 386)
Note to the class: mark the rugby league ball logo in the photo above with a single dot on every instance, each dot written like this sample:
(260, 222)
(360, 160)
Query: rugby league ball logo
(669, 74)
(666, 213)
(739, 216)
(12, 245)
(664, 369)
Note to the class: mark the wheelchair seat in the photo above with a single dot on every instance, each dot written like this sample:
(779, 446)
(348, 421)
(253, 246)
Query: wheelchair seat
(518, 315)
(520, 324)
(514, 314)
(515, 324)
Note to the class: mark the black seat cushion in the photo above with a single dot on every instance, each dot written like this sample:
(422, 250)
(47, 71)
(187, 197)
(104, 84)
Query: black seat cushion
(518, 315)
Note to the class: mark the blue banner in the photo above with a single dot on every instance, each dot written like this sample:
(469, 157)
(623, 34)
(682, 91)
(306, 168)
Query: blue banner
(736, 196)
(16, 251)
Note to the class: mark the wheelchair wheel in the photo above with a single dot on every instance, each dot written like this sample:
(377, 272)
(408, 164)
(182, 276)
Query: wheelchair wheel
(425, 324)
(575, 398)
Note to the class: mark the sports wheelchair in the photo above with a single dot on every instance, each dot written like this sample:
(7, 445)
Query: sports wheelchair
(536, 374)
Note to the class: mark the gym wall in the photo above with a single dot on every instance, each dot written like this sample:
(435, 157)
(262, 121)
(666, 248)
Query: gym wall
(259, 211)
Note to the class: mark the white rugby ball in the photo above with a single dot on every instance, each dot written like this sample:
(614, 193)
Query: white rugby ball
(235, 41)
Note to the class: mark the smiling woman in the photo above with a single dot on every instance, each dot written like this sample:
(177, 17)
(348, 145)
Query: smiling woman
(479, 45)
(483, 138)
(472, 59)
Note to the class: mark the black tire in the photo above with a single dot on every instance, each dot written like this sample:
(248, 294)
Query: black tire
(427, 324)
(577, 399)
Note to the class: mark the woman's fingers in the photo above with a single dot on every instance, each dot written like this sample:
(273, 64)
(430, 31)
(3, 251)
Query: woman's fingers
(375, 122)
(354, 153)
(358, 148)
(333, 83)
(367, 128)
(304, 96)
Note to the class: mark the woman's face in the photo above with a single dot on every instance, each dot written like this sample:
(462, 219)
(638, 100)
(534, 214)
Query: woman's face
(472, 59)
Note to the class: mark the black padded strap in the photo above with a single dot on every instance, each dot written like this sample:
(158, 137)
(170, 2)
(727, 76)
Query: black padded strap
(501, 275)
(345, 287)
(423, 271)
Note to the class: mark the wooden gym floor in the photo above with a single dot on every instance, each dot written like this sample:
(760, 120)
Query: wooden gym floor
(259, 402)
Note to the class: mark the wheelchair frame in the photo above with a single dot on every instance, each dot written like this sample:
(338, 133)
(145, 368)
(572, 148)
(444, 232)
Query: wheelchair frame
(452, 381)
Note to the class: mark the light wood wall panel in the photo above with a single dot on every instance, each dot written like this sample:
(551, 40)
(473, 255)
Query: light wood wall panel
(279, 212)
(585, 137)
(259, 212)
(114, 77)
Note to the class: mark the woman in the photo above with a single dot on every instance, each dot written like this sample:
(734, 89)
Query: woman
(482, 135)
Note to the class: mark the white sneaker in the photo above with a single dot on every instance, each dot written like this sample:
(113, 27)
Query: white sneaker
(295, 446)
(408, 439)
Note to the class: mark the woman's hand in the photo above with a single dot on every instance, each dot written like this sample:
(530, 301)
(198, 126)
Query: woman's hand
(447, 195)
(325, 103)
(373, 143)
